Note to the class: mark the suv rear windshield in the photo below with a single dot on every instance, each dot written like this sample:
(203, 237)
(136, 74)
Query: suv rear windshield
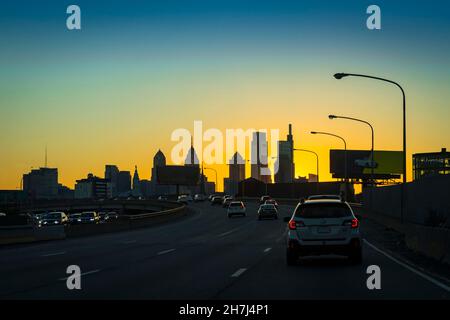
(236, 204)
(322, 210)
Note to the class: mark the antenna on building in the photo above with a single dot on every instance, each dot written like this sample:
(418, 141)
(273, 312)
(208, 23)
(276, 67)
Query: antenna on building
(45, 156)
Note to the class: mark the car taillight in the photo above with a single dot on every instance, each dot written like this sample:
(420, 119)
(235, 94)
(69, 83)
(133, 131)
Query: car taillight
(355, 223)
(292, 225)
(295, 224)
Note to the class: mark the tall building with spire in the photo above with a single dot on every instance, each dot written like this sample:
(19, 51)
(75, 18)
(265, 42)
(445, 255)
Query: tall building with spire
(285, 161)
(136, 183)
(236, 167)
(191, 157)
(156, 189)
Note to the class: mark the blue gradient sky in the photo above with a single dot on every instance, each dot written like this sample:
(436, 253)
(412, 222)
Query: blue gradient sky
(139, 69)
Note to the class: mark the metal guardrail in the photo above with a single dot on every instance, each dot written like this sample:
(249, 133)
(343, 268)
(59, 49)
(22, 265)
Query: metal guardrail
(154, 214)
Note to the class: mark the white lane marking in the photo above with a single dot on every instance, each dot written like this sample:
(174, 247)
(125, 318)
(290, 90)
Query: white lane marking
(83, 274)
(238, 273)
(267, 249)
(53, 254)
(417, 272)
(129, 242)
(228, 232)
(165, 251)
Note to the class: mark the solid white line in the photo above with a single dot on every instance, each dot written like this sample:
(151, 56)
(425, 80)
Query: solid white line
(53, 254)
(238, 273)
(165, 251)
(423, 275)
(83, 274)
(267, 249)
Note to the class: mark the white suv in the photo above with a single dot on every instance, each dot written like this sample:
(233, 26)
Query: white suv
(236, 208)
(323, 227)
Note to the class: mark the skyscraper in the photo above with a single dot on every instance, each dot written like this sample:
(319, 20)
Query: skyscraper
(285, 161)
(112, 174)
(136, 183)
(93, 188)
(259, 157)
(191, 157)
(159, 160)
(124, 182)
(41, 183)
(236, 167)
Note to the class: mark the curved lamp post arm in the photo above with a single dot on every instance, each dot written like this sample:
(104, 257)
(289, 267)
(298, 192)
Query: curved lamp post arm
(317, 160)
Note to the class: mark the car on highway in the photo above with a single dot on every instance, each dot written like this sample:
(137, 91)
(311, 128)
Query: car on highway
(216, 200)
(163, 198)
(103, 217)
(89, 217)
(266, 211)
(184, 199)
(2, 214)
(55, 218)
(74, 218)
(112, 215)
(199, 197)
(324, 197)
(272, 201)
(236, 208)
(226, 202)
(263, 199)
(320, 227)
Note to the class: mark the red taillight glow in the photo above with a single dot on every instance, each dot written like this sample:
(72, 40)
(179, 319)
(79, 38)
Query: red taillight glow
(292, 225)
(355, 223)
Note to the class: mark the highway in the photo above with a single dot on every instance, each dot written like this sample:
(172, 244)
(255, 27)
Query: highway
(203, 256)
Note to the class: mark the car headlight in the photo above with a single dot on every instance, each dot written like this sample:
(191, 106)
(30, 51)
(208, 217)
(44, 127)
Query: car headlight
(79, 220)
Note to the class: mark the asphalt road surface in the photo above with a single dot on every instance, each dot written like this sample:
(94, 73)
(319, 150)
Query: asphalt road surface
(204, 256)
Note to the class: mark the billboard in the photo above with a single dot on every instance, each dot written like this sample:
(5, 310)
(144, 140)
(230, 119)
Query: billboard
(386, 164)
(178, 175)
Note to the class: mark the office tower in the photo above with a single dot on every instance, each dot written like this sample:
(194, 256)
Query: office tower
(124, 182)
(112, 174)
(259, 157)
(41, 183)
(156, 189)
(285, 161)
(93, 188)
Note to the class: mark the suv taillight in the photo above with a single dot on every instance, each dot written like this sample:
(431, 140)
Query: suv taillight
(354, 223)
(292, 225)
(295, 224)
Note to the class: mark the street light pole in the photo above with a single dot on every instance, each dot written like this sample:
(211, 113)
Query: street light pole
(342, 75)
(317, 160)
(331, 117)
(345, 154)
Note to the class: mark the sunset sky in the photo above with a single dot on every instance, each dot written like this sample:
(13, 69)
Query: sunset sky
(113, 92)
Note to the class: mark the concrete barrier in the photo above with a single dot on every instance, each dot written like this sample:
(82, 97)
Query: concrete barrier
(28, 233)
(126, 222)
(431, 242)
